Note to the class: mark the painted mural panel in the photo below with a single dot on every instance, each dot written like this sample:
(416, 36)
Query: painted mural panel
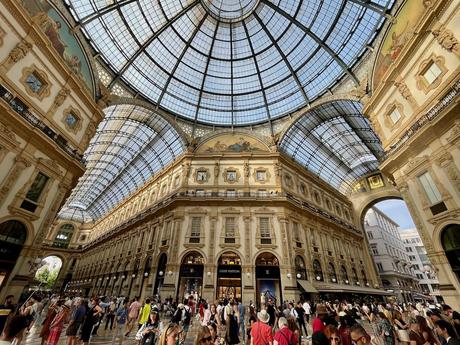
(397, 36)
(62, 39)
(232, 143)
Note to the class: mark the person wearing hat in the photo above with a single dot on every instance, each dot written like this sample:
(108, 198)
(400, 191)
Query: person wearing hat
(57, 325)
(318, 322)
(150, 329)
(261, 332)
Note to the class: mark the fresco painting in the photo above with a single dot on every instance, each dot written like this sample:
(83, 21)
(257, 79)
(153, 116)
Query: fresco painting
(61, 37)
(232, 143)
(398, 35)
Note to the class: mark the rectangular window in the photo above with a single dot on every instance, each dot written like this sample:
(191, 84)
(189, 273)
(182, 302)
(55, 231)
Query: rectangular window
(200, 192)
(229, 230)
(231, 175)
(296, 231)
(430, 188)
(35, 190)
(379, 267)
(432, 72)
(395, 115)
(34, 82)
(196, 230)
(370, 235)
(231, 193)
(261, 175)
(264, 225)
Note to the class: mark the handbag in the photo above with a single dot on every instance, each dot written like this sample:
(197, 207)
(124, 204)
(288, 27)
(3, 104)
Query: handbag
(403, 335)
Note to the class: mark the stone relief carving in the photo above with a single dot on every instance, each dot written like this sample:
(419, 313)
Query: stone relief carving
(17, 53)
(405, 92)
(446, 38)
(59, 100)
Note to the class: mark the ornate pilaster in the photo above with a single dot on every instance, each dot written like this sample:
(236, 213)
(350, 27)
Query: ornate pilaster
(247, 236)
(185, 173)
(212, 235)
(286, 260)
(426, 239)
(446, 38)
(446, 162)
(13, 175)
(59, 100)
(17, 54)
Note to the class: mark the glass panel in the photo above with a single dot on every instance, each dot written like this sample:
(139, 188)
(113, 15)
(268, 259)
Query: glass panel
(432, 73)
(34, 83)
(219, 62)
(71, 120)
(264, 225)
(394, 115)
(37, 187)
(229, 226)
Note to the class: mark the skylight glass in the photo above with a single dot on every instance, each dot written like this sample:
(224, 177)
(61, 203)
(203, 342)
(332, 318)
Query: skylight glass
(130, 146)
(335, 142)
(230, 62)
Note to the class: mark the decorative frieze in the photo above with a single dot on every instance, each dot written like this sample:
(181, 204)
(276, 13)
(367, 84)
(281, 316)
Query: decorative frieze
(404, 90)
(59, 100)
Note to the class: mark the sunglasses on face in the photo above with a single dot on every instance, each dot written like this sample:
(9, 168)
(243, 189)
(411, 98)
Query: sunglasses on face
(205, 340)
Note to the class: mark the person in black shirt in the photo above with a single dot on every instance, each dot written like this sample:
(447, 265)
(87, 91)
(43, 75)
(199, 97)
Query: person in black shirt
(301, 318)
(271, 311)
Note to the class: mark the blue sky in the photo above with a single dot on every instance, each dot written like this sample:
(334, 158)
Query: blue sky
(397, 210)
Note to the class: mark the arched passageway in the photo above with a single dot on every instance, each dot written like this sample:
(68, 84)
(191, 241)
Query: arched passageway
(268, 279)
(450, 240)
(13, 235)
(48, 272)
(229, 276)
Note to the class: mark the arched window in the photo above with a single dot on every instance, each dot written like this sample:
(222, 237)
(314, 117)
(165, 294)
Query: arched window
(63, 236)
(300, 268)
(344, 274)
(318, 271)
(355, 275)
(450, 239)
(331, 272)
(13, 232)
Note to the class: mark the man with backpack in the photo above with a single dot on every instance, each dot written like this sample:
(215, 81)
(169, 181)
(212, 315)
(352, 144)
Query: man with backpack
(186, 321)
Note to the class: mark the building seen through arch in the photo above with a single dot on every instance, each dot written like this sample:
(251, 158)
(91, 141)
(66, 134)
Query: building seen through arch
(230, 156)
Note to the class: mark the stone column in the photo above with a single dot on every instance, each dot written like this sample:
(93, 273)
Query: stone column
(18, 167)
(212, 235)
(445, 274)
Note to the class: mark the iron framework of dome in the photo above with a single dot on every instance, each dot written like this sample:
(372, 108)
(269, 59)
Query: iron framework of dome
(234, 62)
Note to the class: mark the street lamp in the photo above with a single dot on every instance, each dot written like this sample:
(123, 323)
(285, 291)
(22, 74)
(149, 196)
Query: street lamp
(298, 275)
(289, 276)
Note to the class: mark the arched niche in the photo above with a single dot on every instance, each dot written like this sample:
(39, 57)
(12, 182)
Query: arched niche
(268, 279)
(450, 241)
(191, 276)
(229, 283)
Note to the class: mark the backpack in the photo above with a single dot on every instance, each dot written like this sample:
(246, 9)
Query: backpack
(177, 316)
(187, 316)
(289, 340)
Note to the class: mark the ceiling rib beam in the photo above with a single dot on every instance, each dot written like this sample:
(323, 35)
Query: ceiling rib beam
(187, 45)
(286, 61)
(101, 12)
(260, 78)
(138, 52)
(371, 6)
(318, 40)
(204, 78)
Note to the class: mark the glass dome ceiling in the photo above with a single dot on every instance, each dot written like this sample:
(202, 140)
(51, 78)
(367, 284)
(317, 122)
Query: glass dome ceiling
(230, 62)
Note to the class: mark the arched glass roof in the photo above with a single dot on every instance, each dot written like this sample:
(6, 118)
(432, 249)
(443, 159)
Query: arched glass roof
(130, 146)
(230, 62)
(335, 142)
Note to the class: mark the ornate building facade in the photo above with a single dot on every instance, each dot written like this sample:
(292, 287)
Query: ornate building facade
(230, 162)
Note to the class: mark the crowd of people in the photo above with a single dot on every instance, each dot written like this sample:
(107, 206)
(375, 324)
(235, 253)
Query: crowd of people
(226, 322)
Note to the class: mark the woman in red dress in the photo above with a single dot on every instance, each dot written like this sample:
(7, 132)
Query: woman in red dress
(57, 325)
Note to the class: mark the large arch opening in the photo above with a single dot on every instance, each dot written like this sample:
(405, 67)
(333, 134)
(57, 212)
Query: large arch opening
(268, 279)
(191, 276)
(13, 235)
(450, 240)
(229, 276)
(398, 252)
(48, 273)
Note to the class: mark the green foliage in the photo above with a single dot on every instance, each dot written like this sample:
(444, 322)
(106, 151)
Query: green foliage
(47, 277)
